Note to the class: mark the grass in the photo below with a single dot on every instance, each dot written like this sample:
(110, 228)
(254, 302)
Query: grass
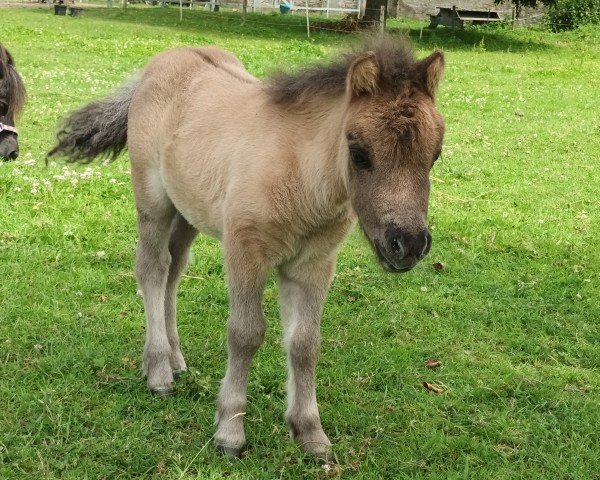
(513, 315)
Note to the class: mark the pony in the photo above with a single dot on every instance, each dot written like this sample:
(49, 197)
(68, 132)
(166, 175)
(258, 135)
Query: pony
(277, 170)
(12, 101)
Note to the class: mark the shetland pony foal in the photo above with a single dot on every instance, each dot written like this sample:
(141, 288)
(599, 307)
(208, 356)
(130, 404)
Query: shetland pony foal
(276, 170)
(12, 100)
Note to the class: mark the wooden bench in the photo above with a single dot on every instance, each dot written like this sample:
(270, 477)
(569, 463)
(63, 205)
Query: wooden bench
(456, 18)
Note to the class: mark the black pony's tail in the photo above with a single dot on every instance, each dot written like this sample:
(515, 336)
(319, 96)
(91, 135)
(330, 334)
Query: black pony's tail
(97, 130)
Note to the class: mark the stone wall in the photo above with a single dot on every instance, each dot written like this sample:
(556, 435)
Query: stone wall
(420, 9)
(416, 9)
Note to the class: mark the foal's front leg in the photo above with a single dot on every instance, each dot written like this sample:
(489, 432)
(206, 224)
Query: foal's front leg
(245, 333)
(303, 287)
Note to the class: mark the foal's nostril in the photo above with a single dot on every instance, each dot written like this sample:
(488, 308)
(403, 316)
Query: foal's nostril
(426, 247)
(13, 155)
(397, 246)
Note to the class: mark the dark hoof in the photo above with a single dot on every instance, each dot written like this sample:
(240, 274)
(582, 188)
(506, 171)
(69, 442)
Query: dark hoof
(178, 373)
(325, 458)
(320, 452)
(231, 452)
(162, 392)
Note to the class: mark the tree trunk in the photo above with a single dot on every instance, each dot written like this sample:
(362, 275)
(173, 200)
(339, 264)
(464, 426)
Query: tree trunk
(392, 8)
(373, 11)
(518, 8)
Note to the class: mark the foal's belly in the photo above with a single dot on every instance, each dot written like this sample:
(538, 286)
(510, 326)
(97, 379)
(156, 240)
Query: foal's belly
(194, 181)
(199, 198)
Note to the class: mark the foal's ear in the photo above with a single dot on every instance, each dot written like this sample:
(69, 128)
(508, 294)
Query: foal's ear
(430, 72)
(363, 76)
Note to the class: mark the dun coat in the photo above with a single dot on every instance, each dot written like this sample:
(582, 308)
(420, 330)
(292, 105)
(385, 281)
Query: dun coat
(278, 170)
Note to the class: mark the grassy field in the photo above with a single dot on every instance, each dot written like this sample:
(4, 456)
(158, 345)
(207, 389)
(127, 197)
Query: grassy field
(514, 315)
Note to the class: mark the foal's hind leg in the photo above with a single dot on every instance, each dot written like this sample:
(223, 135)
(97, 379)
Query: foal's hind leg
(152, 269)
(182, 236)
(302, 289)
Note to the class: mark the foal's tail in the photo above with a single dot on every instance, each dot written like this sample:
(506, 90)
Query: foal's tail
(97, 130)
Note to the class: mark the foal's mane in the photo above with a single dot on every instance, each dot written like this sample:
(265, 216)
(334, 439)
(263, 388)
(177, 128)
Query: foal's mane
(12, 89)
(394, 56)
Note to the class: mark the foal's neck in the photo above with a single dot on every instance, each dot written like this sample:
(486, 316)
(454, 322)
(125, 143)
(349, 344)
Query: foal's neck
(322, 152)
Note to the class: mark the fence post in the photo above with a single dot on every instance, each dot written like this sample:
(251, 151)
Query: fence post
(307, 21)
(382, 19)
(513, 18)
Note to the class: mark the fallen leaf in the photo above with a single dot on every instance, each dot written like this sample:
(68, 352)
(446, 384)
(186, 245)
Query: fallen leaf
(520, 113)
(433, 363)
(351, 298)
(433, 388)
(103, 298)
(438, 266)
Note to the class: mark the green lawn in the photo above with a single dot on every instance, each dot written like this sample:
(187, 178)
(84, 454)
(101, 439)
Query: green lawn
(514, 315)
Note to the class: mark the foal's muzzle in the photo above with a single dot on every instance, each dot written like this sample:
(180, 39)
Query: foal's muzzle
(401, 251)
(9, 147)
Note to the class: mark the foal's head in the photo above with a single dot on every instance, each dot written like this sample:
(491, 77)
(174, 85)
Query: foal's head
(12, 100)
(394, 135)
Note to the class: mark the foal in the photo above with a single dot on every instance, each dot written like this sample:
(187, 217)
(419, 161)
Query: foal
(12, 100)
(277, 170)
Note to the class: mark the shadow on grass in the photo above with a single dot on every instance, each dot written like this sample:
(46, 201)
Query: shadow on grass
(198, 21)
(490, 39)
(267, 26)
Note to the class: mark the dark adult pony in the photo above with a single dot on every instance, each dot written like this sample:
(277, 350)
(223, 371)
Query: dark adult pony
(277, 170)
(12, 100)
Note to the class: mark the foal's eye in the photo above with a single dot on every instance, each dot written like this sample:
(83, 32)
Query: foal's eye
(3, 108)
(360, 158)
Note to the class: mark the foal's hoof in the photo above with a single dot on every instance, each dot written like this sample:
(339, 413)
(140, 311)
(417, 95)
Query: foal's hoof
(230, 451)
(323, 453)
(161, 392)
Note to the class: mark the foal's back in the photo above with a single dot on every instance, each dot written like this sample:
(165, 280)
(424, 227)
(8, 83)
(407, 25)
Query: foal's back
(195, 112)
